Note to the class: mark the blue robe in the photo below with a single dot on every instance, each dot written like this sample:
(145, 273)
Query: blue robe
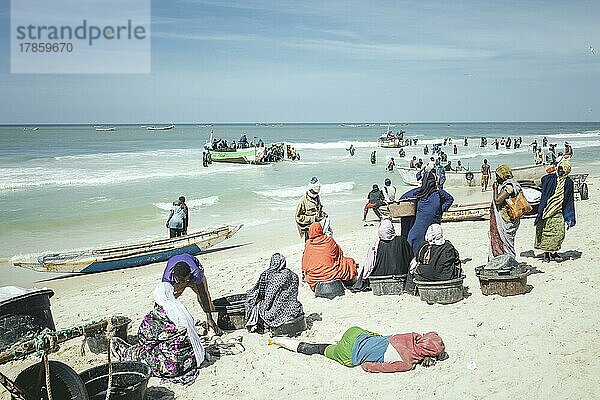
(429, 211)
(549, 183)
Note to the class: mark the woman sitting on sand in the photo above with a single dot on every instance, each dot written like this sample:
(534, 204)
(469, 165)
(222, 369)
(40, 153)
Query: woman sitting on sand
(273, 301)
(557, 207)
(323, 259)
(503, 230)
(432, 202)
(373, 352)
(388, 255)
(437, 259)
(168, 342)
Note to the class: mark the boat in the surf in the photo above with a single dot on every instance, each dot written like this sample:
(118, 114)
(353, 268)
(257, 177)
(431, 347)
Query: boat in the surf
(160, 128)
(105, 129)
(34, 128)
(389, 139)
(472, 178)
(129, 255)
(251, 155)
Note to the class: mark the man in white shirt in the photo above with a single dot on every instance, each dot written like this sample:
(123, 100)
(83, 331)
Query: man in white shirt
(389, 191)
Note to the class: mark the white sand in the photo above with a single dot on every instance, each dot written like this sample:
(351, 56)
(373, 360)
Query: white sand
(536, 346)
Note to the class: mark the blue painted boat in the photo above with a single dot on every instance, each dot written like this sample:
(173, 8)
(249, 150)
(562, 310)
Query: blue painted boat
(131, 255)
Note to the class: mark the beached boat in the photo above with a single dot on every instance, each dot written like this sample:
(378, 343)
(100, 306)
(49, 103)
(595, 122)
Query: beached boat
(473, 178)
(105, 128)
(160, 128)
(240, 156)
(467, 212)
(131, 255)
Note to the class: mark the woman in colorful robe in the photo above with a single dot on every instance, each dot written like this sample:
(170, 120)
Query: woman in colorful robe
(323, 259)
(503, 230)
(168, 342)
(557, 208)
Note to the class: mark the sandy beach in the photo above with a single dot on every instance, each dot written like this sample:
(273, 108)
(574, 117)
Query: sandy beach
(534, 346)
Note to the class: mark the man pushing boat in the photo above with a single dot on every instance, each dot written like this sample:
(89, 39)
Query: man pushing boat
(183, 271)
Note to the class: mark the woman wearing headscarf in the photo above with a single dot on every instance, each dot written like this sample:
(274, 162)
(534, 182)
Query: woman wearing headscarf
(323, 259)
(273, 301)
(437, 259)
(373, 352)
(168, 342)
(388, 255)
(309, 208)
(503, 230)
(557, 207)
(432, 202)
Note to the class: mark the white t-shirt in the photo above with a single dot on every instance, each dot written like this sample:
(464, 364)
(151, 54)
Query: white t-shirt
(176, 221)
(389, 193)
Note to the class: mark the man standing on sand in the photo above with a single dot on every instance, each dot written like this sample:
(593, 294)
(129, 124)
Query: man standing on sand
(309, 208)
(485, 175)
(178, 218)
(183, 271)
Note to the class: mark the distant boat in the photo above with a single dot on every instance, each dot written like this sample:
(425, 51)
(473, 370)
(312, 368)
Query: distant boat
(35, 128)
(205, 126)
(160, 128)
(132, 255)
(105, 128)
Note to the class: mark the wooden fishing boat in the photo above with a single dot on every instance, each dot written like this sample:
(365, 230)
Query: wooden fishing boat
(105, 129)
(473, 178)
(160, 128)
(240, 156)
(467, 212)
(130, 255)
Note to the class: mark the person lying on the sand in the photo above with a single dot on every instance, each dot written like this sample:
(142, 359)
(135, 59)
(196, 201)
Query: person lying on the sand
(373, 352)
(183, 271)
(323, 259)
(168, 342)
(273, 301)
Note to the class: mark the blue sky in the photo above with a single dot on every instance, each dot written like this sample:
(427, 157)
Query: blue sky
(329, 61)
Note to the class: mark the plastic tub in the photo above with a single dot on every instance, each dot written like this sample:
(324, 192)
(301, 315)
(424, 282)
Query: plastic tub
(98, 343)
(24, 316)
(232, 312)
(129, 381)
(291, 328)
(442, 292)
(387, 284)
(329, 290)
(504, 283)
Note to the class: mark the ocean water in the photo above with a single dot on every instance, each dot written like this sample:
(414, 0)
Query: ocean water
(70, 187)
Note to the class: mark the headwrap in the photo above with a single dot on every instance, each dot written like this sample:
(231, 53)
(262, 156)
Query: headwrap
(504, 172)
(387, 182)
(435, 235)
(314, 187)
(429, 345)
(428, 185)
(555, 202)
(180, 316)
(385, 232)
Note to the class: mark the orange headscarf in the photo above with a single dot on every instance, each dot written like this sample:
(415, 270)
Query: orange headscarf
(323, 259)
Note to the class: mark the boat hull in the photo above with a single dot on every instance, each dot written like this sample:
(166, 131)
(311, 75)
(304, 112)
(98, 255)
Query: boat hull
(455, 179)
(135, 255)
(245, 156)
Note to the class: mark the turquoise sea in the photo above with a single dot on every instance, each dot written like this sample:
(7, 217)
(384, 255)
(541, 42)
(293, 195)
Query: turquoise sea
(70, 187)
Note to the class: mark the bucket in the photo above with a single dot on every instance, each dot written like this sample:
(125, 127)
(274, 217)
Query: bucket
(24, 316)
(291, 328)
(129, 381)
(232, 312)
(329, 290)
(387, 284)
(403, 208)
(442, 292)
(504, 283)
(98, 342)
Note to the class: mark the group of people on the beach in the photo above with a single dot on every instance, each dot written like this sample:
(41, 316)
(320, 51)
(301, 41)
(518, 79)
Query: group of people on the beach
(170, 345)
